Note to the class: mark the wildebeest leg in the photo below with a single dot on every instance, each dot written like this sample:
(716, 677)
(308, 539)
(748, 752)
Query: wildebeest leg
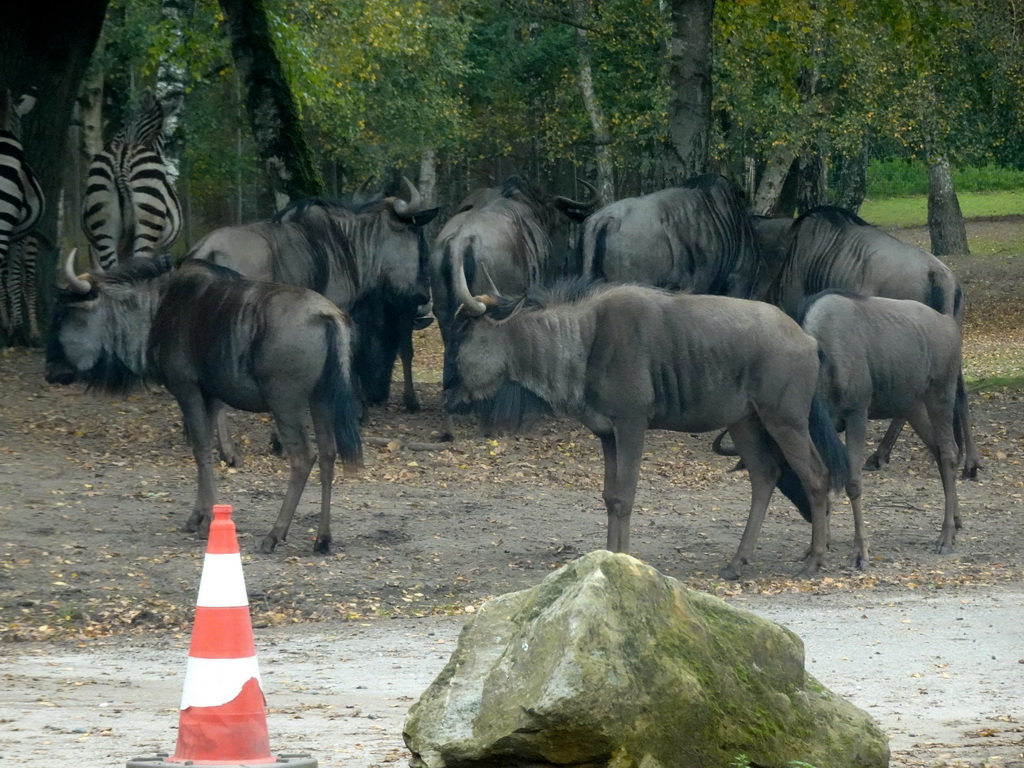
(225, 445)
(880, 457)
(755, 450)
(292, 433)
(327, 453)
(962, 414)
(856, 437)
(623, 451)
(194, 411)
(794, 440)
(405, 352)
(935, 427)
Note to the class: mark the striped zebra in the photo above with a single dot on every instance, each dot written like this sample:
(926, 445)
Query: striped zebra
(130, 206)
(21, 205)
(19, 280)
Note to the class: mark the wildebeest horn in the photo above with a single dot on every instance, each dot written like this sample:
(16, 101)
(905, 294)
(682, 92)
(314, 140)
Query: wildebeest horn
(415, 204)
(472, 304)
(74, 282)
(360, 196)
(493, 289)
(583, 205)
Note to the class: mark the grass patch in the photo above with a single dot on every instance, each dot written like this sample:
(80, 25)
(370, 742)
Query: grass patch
(913, 211)
(996, 383)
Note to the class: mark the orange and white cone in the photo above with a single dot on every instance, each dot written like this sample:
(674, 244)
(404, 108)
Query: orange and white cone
(222, 720)
(223, 716)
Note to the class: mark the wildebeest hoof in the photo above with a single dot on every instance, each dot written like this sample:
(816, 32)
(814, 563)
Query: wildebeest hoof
(412, 406)
(860, 562)
(970, 472)
(268, 544)
(944, 547)
(729, 573)
(322, 546)
(874, 463)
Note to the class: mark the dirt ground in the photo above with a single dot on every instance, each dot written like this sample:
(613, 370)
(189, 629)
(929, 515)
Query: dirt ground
(97, 573)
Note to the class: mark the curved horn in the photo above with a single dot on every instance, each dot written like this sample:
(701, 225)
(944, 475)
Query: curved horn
(360, 196)
(472, 304)
(493, 289)
(415, 203)
(74, 282)
(582, 205)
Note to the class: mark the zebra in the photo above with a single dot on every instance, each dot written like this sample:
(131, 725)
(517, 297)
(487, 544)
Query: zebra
(21, 202)
(130, 207)
(19, 282)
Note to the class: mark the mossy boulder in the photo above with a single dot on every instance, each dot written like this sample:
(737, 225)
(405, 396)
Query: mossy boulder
(607, 662)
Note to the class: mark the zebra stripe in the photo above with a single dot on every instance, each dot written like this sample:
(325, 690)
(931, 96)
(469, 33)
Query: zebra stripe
(21, 200)
(18, 289)
(131, 209)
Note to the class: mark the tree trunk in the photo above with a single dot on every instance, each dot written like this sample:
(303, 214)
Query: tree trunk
(171, 81)
(598, 124)
(427, 184)
(48, 51)
(274, 119)
(689, 83)
(851, 180)
(945, 220)
(772, 178)
(811, 181)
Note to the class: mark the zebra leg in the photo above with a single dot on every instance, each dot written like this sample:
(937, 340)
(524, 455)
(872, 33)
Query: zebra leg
(880, 457)
(5, 318)
(31, 297)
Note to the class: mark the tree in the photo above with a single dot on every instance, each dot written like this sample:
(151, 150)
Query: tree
(689, 88)
(281, 144)
(48, 52)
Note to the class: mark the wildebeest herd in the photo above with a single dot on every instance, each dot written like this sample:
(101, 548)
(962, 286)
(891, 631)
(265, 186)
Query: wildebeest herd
(679, 310)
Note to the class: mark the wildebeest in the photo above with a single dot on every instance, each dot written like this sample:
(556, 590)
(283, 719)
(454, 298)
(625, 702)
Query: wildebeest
(832, 248)
(625, 358)
(885, 359)
(514, 238)
(212, 337)
(375, 251)
(696, 237)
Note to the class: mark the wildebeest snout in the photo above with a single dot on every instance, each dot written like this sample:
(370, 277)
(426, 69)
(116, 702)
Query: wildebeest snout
(59, 373)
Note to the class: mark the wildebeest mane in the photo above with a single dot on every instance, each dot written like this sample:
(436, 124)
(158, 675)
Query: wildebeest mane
(318, 226)
(834, 215)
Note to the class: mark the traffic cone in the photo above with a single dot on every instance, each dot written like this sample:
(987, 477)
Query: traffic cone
(222, 720)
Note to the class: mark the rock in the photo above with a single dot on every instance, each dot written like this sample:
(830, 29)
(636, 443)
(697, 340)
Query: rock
(606, 662)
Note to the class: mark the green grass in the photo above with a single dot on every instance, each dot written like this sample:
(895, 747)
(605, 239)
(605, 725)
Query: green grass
(913, 211)
(900, 178)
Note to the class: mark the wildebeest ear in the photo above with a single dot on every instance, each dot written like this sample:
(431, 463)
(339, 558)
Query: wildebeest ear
(502, 311)
(422, 218)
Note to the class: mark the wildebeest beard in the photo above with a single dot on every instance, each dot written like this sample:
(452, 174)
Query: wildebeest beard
(512, 408)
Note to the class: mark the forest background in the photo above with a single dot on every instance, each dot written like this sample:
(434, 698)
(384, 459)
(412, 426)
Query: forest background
(797, 101)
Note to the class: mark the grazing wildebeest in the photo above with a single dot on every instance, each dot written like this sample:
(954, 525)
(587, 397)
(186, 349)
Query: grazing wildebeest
(348, 255)
(886, 359)
(696, 237)
(832, 248)
(625, 358)
(515, 239)
(212, 337)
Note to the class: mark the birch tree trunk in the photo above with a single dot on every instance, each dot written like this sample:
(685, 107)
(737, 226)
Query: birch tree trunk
(598, 123)
(945, 219)
(689, 82)
(273, 116)
(171, 79)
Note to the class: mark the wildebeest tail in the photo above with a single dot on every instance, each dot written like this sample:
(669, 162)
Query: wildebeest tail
(960, 420)
(337, 382)
(832, 451)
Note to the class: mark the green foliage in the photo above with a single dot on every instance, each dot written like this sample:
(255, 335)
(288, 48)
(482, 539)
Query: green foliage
(913, 212)
(901, 178)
